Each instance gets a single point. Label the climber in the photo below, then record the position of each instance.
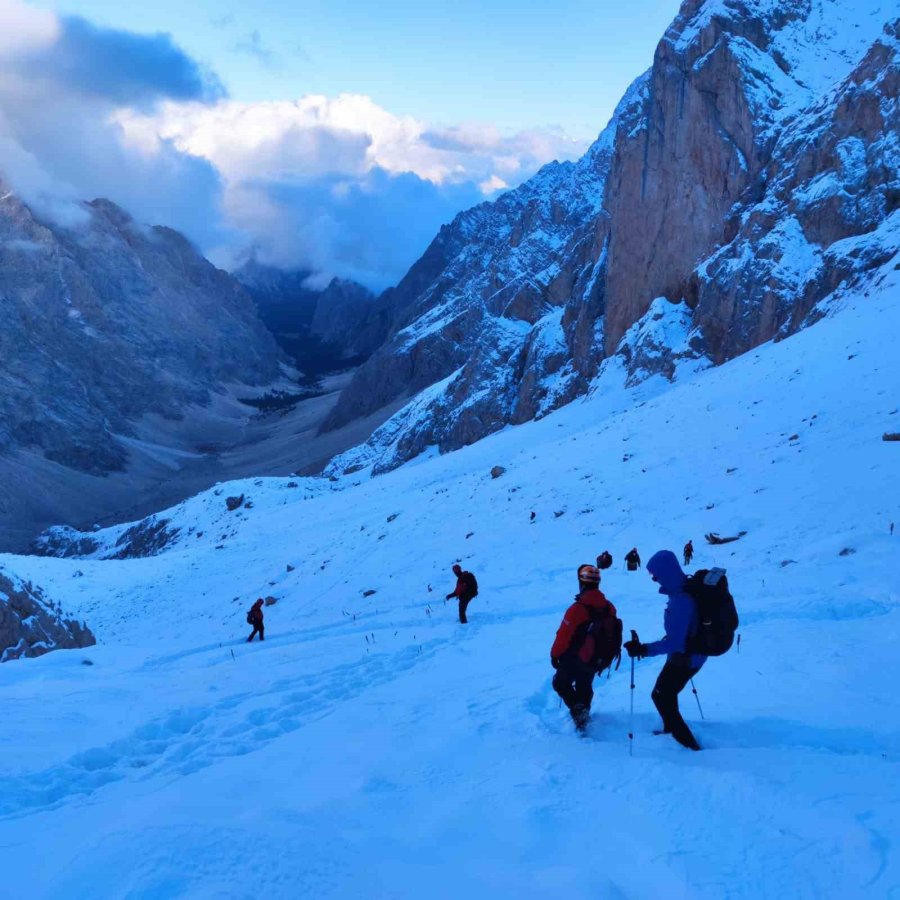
(688, 552)
(255, 618)
(589, 639)
(633, 560)
(604, 560)
(466, 590)
(680, 621)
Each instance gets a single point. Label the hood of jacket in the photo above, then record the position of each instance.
(664, 567)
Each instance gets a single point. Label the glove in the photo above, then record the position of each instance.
(636, 650)
(449, 596)
(554, 661)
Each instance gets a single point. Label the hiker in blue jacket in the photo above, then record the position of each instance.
(680, 622)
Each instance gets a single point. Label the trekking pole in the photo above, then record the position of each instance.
(697, 698)
(631, 715)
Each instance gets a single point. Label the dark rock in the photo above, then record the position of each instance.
(497, 471)
(233, 503)
(31, 624)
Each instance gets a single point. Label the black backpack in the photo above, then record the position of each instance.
(471, 585)
(598, 643)
(717, 618)
(250, 619)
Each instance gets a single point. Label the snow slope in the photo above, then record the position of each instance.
(372, 747)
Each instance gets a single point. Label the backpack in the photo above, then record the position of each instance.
(472, 585)
(717, 618)
(604, 560)
(250, 619)
(598, 643)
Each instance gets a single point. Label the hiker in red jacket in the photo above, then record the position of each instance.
(255, 618)
(588, 640)
(466, 589)
(688, 552)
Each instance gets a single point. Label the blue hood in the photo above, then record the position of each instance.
(663, 566)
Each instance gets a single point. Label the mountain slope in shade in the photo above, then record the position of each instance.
(763, 140)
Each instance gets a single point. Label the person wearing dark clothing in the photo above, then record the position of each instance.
(688, 552)
(632, 560)
(574, 676)
(604, 560)
(255, 618)
(680, 620)
(466, 589)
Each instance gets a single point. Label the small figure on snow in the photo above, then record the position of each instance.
(589, 639)
(466, 590)
(680, 621)
(255, 618)
(688, 552)
(604, 560)
(633, 560)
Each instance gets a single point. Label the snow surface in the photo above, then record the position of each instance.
(373, 747)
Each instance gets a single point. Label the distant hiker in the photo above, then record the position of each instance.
(632, 560)
(466, 589)
(587, 642)
(680, 622)
(255, 618)
(688, 552)
(604, 560)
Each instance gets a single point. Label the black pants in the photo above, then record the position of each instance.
(687, 558)
(259, 629)
(463, 603)
(671, 682)
(576, 687)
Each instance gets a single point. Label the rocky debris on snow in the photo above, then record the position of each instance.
(31, 624)
(289, 567)
(713, 538)
(497, 471)
(369, 593)
(233, 503)
(847, 551)
(891, 436)
(392, 516)
(271, 601)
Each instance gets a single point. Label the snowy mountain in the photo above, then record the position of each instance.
(372, 746)
(751, 173)
(115, 338)
(319, 328)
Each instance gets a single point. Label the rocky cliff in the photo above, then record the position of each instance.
(31, 624)
(750, 173)
(106, 320)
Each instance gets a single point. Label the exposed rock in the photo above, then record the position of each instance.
(891, 436)
(148, 538)
(751, 174)
(497, 471)
(271, 601)
(31, 624)
(64, 542)
(233, 503)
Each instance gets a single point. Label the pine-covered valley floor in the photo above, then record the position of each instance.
(373, 747)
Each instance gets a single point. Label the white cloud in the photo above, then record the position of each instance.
(338, 185)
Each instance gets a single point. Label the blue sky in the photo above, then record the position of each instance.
(332, 136)
(513, 64)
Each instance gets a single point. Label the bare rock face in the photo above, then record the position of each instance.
(749, 175)
(828, 212)
(31, 624)
(106, 320)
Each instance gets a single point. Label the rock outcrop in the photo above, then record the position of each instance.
(31, 624)
(749, 175)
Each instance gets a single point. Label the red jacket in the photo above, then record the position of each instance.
(576, 616)
(256, 611)
(463, 588)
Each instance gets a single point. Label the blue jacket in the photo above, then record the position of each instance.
(681, 611)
